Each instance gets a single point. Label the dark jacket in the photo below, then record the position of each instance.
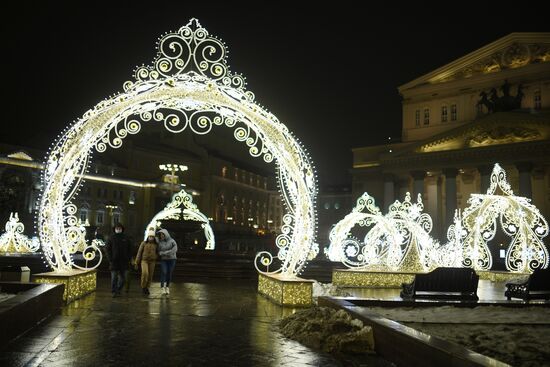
(119, 251)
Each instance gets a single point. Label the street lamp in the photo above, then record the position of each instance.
(172, 168)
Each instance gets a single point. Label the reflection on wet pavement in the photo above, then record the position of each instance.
(222, 323)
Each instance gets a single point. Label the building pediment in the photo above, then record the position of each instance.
(20, 155)
(510, 52)
(495, 129)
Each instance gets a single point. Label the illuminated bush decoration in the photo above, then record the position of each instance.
(397, 241)
(188, 87)
(518, 218)
(13, 240)
(182, 208)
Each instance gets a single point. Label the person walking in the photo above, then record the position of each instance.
(118, 250)
(167, 252)
(146, 258)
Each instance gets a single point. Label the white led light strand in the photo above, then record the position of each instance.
(518, 218)
(13, 240)
(188, 87)
(397, 241)
(182, 208)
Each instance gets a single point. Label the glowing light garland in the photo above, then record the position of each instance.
(182, 207)
(189, 86)
(13, 240)
(397, 241)
(518, 218)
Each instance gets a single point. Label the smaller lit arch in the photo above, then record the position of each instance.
(182, 208)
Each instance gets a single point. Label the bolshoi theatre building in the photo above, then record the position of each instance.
(490, 106)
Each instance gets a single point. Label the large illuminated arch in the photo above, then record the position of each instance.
(518, 218)
(182, 208)
(188, 86)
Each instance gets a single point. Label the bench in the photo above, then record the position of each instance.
(537, 286)
(457, 283)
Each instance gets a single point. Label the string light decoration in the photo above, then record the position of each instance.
(379, 248)
(13, 240)
(188, 87)
(518, 218)
(182, 208)
(450, 254)
(398, 241)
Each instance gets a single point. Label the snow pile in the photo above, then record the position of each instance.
(514, 335)
(329, 289)
(326, 329)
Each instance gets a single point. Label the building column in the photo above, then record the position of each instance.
(418, 183)
(525, 169)
(389, 190)
(485, 174)
(450, 194)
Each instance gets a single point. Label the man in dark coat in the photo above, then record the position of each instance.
(119, 252)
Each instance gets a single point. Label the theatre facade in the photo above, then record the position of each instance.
(490, 106)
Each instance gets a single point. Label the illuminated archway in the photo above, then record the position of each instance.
(182, 208)
(518, 218)
(189, 86)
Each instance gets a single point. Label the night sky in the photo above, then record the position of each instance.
(330, 74)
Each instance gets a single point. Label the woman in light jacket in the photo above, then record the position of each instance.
(146, 257)
(167, 249)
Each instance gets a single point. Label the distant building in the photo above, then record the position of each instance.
(490, 106)
(125, 185)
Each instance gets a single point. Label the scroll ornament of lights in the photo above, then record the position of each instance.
(188, 87)
(380, 246)
(182, 208)
(450, 254)
(518, 218)
(397, 241)
(13, 240)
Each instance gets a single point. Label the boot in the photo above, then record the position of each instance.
(167, 290)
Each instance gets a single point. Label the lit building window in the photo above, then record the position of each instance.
(99, 218)
(417, 118)
(453, 112)
(426, 116)
(443, 113)
(132, 198)
(336, 206)
(83, 215)
(537, 100)
(327, 206)
(224, 172)
(116, 218)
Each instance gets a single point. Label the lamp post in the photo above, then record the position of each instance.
(172, 178)
(111, 208)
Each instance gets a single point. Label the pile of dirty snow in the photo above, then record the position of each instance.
(328, 289)
(326, 329)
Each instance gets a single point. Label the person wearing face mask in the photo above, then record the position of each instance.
(118, 251)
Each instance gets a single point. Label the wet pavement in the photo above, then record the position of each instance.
(217, 323)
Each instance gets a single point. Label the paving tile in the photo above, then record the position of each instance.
(216, 323)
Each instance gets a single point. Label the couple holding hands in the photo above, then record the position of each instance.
(153, 248)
